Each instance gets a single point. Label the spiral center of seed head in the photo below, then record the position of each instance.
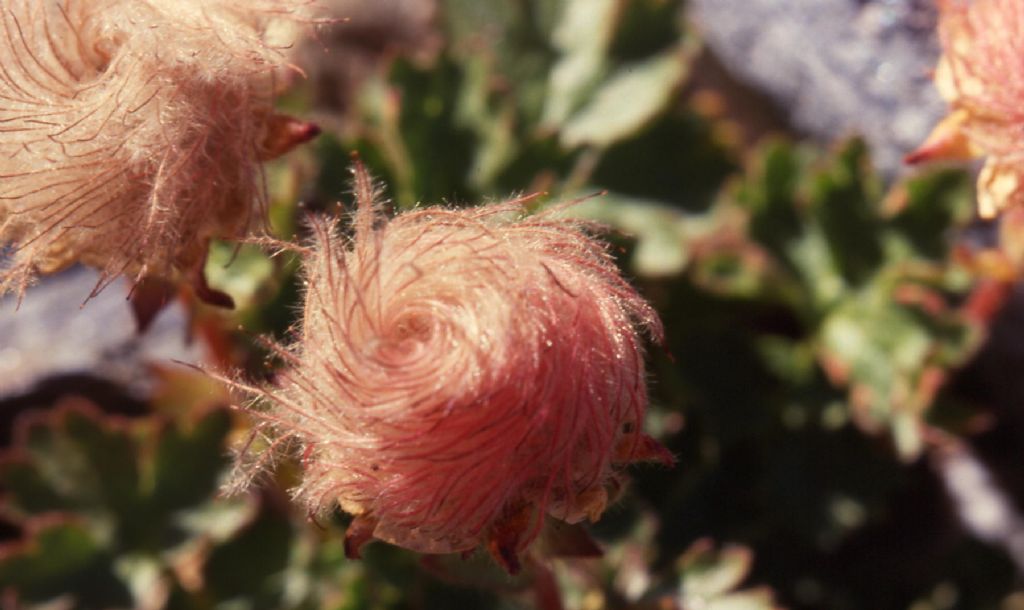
(405, 340)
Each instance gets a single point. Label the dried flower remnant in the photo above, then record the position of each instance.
(459, 374)
(981, 75)
(133, 130)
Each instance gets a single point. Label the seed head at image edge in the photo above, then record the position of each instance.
(134, 131)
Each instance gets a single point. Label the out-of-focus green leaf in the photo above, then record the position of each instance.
(262, 547)
(72, 464)
(629, 100)
(646, 27)
(869, 288)
(663, 234)
(515, 40)
(748, 600)
(142, 493)
(409, 131)
(845, 200)
(59, 556)
(242, 271)
(892, 354)
(187, 464)
(494, 122)
(709, 578)
(708, 573)
(582, 38)
(769, 192)
(130, 475)
(928, 208)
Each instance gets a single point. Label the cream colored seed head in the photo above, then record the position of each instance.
(133, 130)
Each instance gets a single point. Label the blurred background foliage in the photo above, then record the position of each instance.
(826, 369)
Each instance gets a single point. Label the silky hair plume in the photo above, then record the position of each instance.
(458, 375)
(133, 131)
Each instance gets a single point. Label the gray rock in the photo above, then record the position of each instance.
(838, 67)
(55, 333)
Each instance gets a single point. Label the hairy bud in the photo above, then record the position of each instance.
(133, 130)
(460, 374)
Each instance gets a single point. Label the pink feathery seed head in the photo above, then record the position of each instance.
(134, 130)
(460, 374)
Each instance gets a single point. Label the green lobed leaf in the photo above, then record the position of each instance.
(60, 557)
(140, 495)
(710, 577)
(582, 38)
(630, 99)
